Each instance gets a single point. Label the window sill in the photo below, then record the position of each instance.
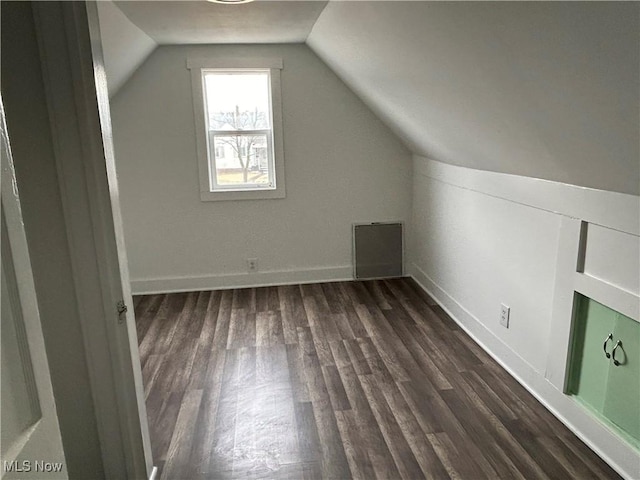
(208, 196)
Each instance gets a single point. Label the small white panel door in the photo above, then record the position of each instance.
(30, 441)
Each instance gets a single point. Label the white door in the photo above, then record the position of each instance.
(30, 441)
(78, 110)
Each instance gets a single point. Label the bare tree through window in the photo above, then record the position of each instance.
(246, 146)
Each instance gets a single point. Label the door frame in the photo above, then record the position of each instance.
(78, 105)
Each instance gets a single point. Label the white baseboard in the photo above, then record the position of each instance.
(240, 280)
(617, 453)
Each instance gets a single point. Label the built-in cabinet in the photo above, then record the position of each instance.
(605, 366)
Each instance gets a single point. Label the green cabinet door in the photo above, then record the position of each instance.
(589, 365)
(622, 399)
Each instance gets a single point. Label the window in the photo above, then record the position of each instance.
(238, 128)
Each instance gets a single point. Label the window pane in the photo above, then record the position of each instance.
(238, 101)
(242, 160)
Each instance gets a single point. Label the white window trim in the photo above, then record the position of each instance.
(274, 65)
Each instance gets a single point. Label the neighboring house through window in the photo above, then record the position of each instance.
(238, 128)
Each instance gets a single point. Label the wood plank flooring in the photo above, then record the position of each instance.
(337, 380)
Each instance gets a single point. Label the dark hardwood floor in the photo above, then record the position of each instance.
(337, 380)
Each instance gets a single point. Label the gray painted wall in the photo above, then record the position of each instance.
(540, 89)
(342, 166)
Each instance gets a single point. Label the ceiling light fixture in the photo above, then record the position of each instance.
(230, 2)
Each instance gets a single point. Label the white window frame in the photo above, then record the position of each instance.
(208, 190)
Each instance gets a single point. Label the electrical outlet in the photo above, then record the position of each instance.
(504, 315)
(252, 264)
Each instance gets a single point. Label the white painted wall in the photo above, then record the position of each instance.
(342, 166)
(486, 251)
(124, 45)
(540, 89)
(482, 238)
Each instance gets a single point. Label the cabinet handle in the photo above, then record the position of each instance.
(604, 347)
(613, 353)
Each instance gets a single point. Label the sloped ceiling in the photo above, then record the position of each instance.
(124, 46)
(185, 22)
(131, 30)
(542, 89)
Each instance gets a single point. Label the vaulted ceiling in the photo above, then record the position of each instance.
(132, 29)
(542, 89)
(182, 22)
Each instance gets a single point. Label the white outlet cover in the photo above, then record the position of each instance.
(504, 315)
(252, 264)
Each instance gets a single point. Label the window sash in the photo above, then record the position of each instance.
(213, 169)
(240, 133)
